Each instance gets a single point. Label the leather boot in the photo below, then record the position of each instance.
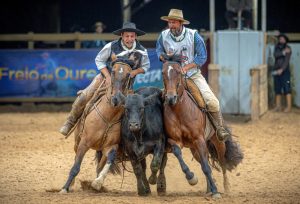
(288, 103)
(79, 104)
(222, 133)
(278, 103)
(74, 115)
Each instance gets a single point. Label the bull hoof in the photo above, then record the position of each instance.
(97, 185)
(145, 192)
(153, 179)
(193, 181)
(216, 196)
(63, 191)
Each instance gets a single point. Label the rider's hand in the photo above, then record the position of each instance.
(163, 57)
(133, 73)
(184, 70)
(108, 81)
(279, 71)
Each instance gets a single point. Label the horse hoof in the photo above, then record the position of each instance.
(63, 191)
(152, 180)
(193, 181)
(97, 185)
(216, 196)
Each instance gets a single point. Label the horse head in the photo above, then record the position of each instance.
(121, 82)
(172, 79)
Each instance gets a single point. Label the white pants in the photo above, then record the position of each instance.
(209, 97)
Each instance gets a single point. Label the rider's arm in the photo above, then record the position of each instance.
(101, 60)
(103, 56)
(200, 53)
(160, 51)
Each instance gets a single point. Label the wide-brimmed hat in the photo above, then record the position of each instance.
(175, 14)
(129, 27)
(284, 36)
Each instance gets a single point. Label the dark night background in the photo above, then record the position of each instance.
(46, 16)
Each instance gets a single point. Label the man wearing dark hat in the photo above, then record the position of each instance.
(126, 44)
(281, 73)
(189, 44)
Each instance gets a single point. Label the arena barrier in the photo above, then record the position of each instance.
(56, 75)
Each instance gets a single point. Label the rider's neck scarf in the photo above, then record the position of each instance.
(179, 37)
(126, 48)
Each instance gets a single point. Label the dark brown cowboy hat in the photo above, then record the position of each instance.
(129, 27)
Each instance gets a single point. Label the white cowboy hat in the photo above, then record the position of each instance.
(175, 14)
(129, 27)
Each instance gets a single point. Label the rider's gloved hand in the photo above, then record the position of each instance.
(164, 57)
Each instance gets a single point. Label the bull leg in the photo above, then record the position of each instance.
(192, 179)
(143, 187)
(98, 182)
(161, 180)
(82, 149)
(156, 162)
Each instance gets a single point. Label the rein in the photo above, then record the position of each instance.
(108, 124)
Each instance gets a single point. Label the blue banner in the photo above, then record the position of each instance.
(58, 73)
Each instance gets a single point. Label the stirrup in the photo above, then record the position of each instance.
(222, 134)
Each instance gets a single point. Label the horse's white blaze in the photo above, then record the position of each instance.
(170, 68)
(121, 70)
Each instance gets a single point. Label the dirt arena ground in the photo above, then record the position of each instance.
(35, 161)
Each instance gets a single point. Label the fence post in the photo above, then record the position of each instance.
(213, 78)
(30, 41)
(77, 40)
(254, 73)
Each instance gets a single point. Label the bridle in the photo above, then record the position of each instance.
(129, 80)
(179, 83)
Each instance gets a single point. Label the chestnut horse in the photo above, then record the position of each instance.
(185, 127)
(102, 127)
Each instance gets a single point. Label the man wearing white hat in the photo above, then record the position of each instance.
(126, 44)
(189, 44)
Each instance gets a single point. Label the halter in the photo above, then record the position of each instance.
(128, 84)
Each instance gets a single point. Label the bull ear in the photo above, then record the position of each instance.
(150, 100)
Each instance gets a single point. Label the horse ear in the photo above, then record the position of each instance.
(122, 97)
(150, 100)
(113, 57)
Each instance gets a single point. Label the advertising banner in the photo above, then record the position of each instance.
(58, 73)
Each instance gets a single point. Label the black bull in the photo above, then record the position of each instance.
(143, 134)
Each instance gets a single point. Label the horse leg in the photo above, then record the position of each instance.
(201, 155)
(156, 162)
(161, 180)
(98, 182)
(143, 187)
(82, 149)
(221, 149)
(192, 179)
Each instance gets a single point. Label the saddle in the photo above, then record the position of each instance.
(194, 93)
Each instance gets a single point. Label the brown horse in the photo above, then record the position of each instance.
(102, 127)
(185, 126)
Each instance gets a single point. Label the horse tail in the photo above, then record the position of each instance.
(233, 154)
(114, 168)
(232, 157)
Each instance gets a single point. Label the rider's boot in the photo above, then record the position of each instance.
(222, 133)
(74, 115)
(78, 106)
